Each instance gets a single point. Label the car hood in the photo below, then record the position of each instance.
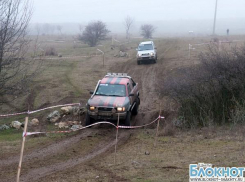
(108, 101)
(145, 52)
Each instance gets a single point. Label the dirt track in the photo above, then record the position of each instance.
(103, 146)
(39, 164)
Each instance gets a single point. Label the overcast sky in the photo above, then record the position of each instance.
(75, 11)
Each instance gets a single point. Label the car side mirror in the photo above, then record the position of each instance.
(131, 95)
(91, 92)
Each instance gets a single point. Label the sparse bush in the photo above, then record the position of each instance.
(213, 91)
(51, 51)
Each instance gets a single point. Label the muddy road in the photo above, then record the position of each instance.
(52, 160)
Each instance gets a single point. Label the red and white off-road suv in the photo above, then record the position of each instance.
(116, 94)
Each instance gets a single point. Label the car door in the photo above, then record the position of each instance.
(129, 92)
(134, 91)
(155, 49)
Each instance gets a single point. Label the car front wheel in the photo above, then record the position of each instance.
(136, 107)
(88, 120)
(128, 118)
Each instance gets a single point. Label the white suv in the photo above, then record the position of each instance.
(146, 52)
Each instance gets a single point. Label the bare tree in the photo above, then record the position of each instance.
(147, 30)
(93, 33)
(15, 16)
(128, 22)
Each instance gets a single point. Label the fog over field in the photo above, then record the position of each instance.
(175, 17)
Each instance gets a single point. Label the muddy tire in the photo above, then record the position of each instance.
(136, 107)
(128, 119)
(88, 120)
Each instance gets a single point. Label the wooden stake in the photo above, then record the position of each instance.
(155, 144)
(103, 56)
(22, 149)
(116, 141)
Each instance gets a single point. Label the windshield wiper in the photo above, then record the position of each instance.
(102, 94)
(110, 95)
(117, 95)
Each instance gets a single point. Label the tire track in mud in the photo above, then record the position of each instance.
(36, 174)
(49, 150)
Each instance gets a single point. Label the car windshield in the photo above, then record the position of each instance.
(143, 47)
(111, 90)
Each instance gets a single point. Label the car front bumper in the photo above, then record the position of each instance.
(146, 58)
(103, 115)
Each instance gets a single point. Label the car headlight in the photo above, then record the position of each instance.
(91, 108)
(138, 55)
(152, 53)
(120, 109)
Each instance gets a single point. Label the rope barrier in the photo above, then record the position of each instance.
(102, 122)
(35, 111)
(73, 104)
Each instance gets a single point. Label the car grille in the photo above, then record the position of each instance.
(104, 109)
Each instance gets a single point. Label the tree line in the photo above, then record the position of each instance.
(97, 30)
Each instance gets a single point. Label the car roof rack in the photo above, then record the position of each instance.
(147, 42)
(122, 75)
